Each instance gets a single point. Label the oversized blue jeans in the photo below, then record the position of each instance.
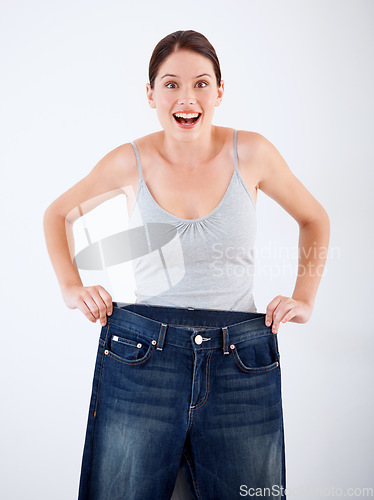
(196, 388)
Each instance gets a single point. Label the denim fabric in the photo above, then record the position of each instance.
(196, 388)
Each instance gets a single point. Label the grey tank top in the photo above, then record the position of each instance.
(206, 262)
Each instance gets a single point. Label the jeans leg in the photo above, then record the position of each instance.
(236, 439)
(136, 434)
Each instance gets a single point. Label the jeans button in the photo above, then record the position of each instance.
(198, 339)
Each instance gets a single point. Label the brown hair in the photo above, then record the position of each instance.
(182, 40)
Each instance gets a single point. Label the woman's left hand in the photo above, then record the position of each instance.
(282, 309)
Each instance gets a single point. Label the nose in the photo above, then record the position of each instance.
(190, 99)
(182, 102)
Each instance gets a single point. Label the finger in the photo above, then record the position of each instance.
(91, 305)
(284, 312)
(279, 312)
(83, 307)
(103, 300)
(101, 306)
(291, 314)
(107, 300)
(270, 310)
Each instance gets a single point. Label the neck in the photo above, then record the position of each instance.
(190, 153)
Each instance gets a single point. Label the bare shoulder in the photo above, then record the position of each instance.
(249, 146)
(249, 142)
(114, 174)
(276, 179)
(119, 165)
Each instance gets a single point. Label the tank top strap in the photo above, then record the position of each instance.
(137, 160)
(235, 150)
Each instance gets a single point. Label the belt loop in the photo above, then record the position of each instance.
(161, 337)
(225, 340)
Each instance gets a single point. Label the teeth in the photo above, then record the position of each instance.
(184, 115)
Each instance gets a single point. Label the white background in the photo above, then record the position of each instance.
(72, 89)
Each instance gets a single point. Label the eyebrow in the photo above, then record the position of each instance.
(176, 76)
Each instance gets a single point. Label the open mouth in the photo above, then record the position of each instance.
(187, 121)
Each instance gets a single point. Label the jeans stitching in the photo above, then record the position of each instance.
(276, 344)
(128, 330)
(100, 371)
(252, 370)
(207, 378)
(133, 363)
(254, 338)
(193, 475)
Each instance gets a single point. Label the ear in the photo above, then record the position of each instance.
(220, 92)
(150, 96)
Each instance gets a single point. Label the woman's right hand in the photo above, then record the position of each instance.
(94, 301)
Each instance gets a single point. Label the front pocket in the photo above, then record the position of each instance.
(257, 355)
(127, 346)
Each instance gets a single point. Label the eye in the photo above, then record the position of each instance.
(173, 83)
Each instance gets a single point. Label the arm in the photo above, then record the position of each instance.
(313, 246)
(110, 177)
(277, 181)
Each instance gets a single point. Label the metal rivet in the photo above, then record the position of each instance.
(232, 346)
(154, 342)
(198, 339)
(139, 345)
(106, 352)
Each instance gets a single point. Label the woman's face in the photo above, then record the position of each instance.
(185, 82)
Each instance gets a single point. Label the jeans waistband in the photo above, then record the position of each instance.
(179, 326)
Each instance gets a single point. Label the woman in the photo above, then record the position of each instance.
(189, 375)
